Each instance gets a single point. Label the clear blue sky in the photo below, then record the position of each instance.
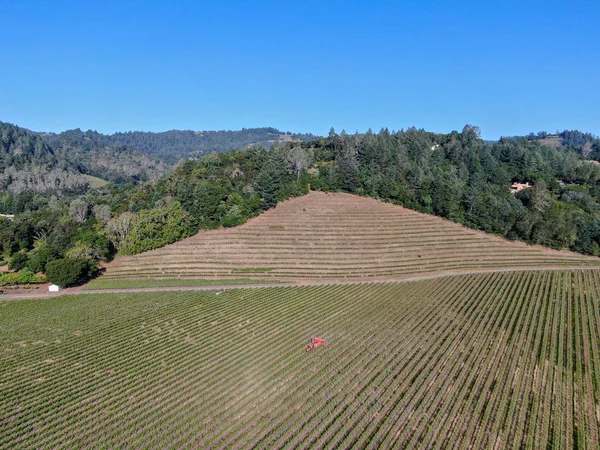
(510, 67)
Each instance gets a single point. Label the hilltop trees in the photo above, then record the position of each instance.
(448, 190)
(300, 159)
(346, 164)
(462, 178)
(272, 176)
(457, 176)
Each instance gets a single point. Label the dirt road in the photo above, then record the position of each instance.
(403, 279)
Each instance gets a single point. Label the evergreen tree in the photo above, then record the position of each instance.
(347, 167)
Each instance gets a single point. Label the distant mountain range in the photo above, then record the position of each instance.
(28, 163)
(171, 146)
(63, 162)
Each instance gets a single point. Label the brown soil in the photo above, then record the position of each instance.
(338, 237)
(38, 290)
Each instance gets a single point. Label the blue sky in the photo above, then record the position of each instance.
(510, 67)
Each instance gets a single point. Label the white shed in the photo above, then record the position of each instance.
(53, 288)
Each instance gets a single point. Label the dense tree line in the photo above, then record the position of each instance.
(20, 149)
(460, 177)
(171, 146)
(585, 144)
(576, 139)
(457, 176)
(115, 163)
(30, 168)
(34, 173)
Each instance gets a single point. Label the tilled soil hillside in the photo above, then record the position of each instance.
(324, 236)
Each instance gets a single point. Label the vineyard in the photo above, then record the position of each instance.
(496, 360)
(336, 236)
(124, 283)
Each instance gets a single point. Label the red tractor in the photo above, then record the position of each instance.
(315, 342)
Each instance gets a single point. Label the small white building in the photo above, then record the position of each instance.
(53, 288)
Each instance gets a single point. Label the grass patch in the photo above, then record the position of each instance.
(167, 282)
(95, 182)
(252, 270)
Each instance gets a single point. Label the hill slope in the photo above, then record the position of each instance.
(175, 144)
(29, 163)
(337, 236)
(117, 163)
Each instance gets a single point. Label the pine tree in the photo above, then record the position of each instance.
(347, 166)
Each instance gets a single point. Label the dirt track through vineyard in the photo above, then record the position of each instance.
(225, 287)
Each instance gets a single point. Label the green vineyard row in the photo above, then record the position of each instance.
(494, 360)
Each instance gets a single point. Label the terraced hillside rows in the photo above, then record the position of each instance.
(336, 236)
(498, 360)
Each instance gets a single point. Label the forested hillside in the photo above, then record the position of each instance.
(34, 172)
(173, 145)
(584, 143)
(460, 177)
(457, 176)
(28, 164)
(117, 163)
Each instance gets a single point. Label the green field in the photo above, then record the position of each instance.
(135, 283)
(504, 360)
(95, 182)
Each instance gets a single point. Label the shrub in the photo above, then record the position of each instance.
(68, 271)
(18, 261)
(41, 255)
(22, 277)
(233, 217)
(90, 245)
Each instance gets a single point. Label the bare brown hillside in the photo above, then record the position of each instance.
(337, 236)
